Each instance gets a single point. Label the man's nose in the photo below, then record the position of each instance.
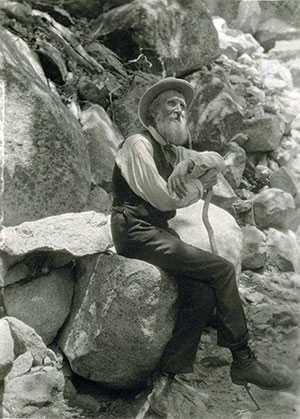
(178, 109)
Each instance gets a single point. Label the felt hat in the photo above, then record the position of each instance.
(169, 83)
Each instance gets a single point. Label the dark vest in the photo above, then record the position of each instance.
(124, 196)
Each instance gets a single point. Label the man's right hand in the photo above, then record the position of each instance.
(209, 179)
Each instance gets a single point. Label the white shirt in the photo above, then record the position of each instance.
(136, 162)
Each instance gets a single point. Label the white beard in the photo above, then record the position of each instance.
(172, 130)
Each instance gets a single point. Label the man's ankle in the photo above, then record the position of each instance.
(241, 354)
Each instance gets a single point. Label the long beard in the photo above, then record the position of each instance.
(172, 130)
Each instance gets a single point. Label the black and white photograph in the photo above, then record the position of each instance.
(149, 209)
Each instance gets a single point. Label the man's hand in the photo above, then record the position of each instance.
(209, 179)
(177, 179)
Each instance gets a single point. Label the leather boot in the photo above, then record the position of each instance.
(159, 400)
(245, 369)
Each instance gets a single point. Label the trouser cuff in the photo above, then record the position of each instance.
(233, 346)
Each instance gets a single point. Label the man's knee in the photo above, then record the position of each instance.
(196, 294)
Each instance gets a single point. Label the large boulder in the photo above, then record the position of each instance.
(189, 225)
(286, 50)
(110, 4)
(283, 250)
(127, 306)
(77, 234)
(121, 319)
(78, 8)
(43, 303)
(248, 17)
(284, 179)
(264, 133)
(161, 29)
(234, 42)
(125, 108)
(26, 394)
(103, 139)
(274, 208)
(214, 121)
(46, 168)
(35, 378)
(272, 30)
(99, 201)
(254, 254)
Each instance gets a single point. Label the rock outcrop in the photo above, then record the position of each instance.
(254, 254)
(103, 138)
(46, 165)
(188, 223)
(34, 378)
(43, 303)
(274, 208)
(283, 250)
(161, 29)
(77, 234)
(121, 319)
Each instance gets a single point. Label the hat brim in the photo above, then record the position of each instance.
(169, 83)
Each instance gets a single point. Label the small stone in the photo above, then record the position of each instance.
(282, 250)
(87, 402)
(264, 133)
(274, 208)
(21, 366)
(26, 339)
(254, 254)
(223, 195)
(284, 179)
(235, 165)
(26, 393)
(7, 355)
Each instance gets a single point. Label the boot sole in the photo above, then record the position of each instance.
(244, 383)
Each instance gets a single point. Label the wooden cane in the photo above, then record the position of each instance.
(214, 249)
(207, 224)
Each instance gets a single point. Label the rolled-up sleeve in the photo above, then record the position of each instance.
(136, 162)
(203, 161)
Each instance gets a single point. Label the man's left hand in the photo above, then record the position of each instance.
(177, 179)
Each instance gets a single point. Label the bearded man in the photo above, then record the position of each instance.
(154, 175)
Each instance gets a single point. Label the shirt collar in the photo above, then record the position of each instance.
(157, 136)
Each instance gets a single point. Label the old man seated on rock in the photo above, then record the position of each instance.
(154, 175)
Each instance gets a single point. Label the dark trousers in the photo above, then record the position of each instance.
(204, 280)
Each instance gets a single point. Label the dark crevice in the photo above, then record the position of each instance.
(51, 70)
(122, 44)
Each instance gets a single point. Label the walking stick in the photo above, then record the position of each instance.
(207, 224)
(214, 249)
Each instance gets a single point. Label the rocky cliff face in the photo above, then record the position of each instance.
(71, 75)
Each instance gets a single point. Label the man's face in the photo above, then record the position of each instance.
(170, 117)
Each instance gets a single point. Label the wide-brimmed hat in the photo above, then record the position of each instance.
(169, 83)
